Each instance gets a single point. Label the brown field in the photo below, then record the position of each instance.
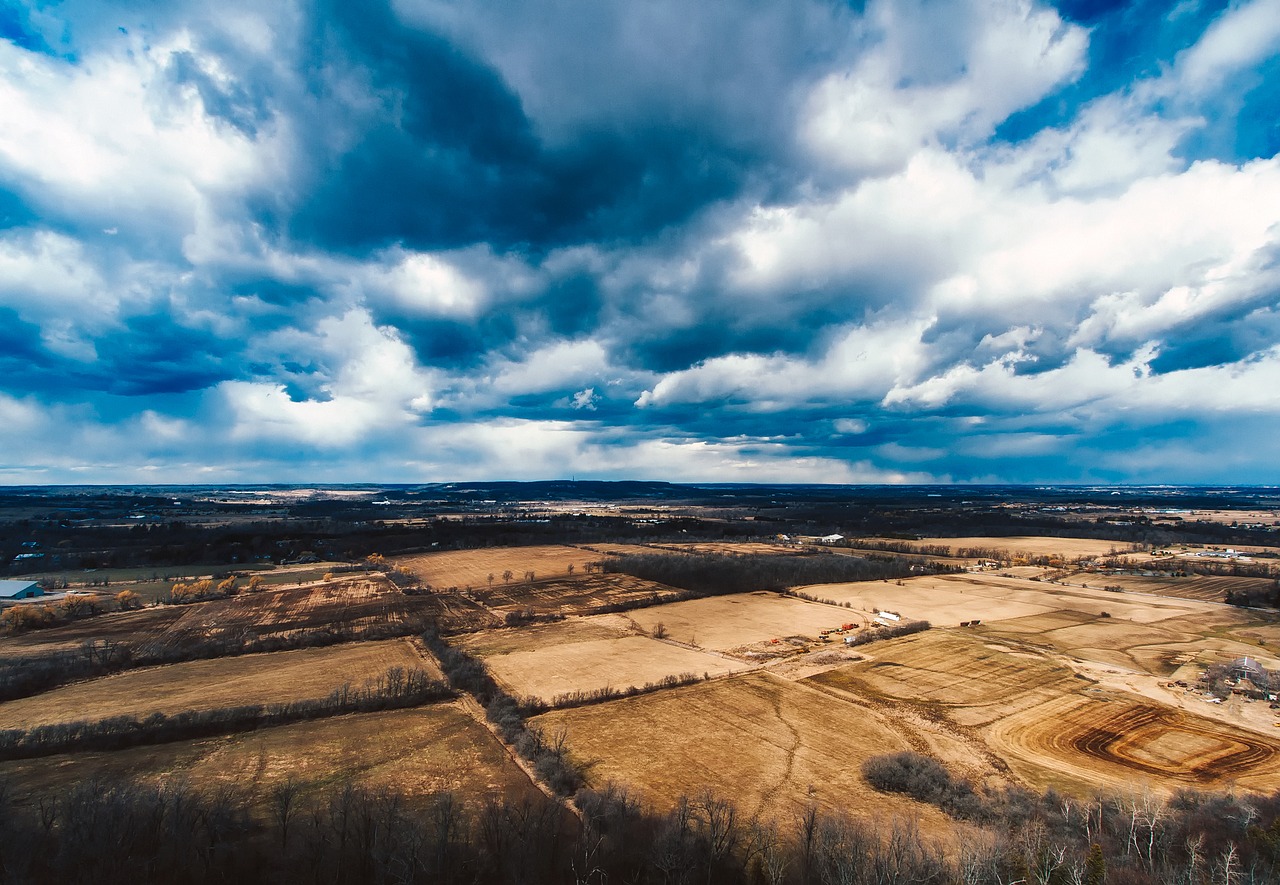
(773, 745)
(1122, 741)
(729, 623)
(274, 678)
(585, 655)
(352, 603)
(1055, 728)
(1066, 548)
(988, 596)
(568, 596)
(473, 568)
(415, 752)
(1203, 587)
(952, 668)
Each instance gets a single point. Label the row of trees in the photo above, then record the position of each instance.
(549, 758)
(107, 832)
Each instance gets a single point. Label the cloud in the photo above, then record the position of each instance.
(819, 242)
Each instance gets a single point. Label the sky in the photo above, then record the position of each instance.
(805, 241)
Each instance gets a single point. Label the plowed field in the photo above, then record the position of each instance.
(1121, 740)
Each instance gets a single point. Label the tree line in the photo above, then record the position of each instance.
(117, 831)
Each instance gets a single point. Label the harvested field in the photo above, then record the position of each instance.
(415, 752)
(573, 595)
(773, 745)
(275, 678)
(950, 599)
(1202, 587)
(1080, 742)
(557, 665)
(728, 623)
(482, 568)
(1065, 548)
(951, 668)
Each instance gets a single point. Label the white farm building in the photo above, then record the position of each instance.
(19, 590)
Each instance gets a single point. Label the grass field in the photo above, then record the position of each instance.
(729, 623)
(274, 678)
(474, 568)
(579, 655)
(415, 752)
(776, 746)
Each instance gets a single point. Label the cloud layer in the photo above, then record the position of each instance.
(432, 240)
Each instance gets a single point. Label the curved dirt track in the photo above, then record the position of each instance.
(1113, 740)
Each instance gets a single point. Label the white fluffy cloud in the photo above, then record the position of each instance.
(938, 72)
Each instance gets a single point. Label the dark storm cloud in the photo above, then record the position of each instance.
(453, 152)
(447, 157)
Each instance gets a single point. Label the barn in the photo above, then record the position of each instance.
(19, 590)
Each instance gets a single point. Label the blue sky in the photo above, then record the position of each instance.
(806, 241)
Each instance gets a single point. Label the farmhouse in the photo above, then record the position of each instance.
(20, 590)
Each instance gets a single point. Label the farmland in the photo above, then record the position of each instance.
(415, 752)
(791, 745)
(357, 605)
(585, 656)
(741, 621)
(487, 567)
(578, 595)
(1029, 546)
(278, 678)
